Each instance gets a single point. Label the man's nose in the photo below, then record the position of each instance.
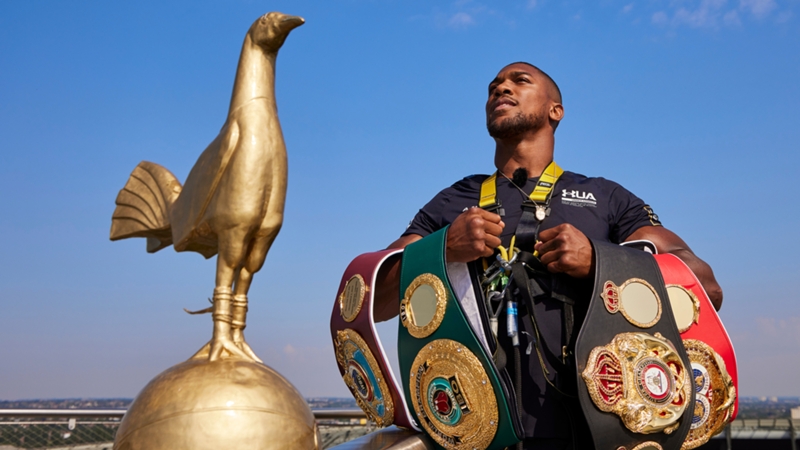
(501, 88)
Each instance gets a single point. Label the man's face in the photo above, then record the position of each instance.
(519, 101)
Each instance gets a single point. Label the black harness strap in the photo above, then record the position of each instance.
(527, 231)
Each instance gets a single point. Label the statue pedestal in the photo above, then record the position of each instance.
(225, 404)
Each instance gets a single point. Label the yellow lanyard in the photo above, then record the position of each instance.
(543, 189)
(540, 193)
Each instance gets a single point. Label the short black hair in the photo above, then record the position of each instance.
(552, 81)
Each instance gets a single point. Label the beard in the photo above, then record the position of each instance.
(513, 126)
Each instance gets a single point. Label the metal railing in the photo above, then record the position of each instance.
(94, 429)
(82, 429)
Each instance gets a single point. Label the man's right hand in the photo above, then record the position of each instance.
(474, 234)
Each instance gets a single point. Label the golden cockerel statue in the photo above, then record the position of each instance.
(232, 202)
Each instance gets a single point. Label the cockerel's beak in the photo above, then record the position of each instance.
(289, 23)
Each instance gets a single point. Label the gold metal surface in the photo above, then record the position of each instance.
(649, 445)
(376, 401)
(641, 378)
(685, 306)
(423, 307)
(636, 299)
(232, 205)
(211, 405)
(352, 297)
(715, 394)
(445, 361)
(233, 199)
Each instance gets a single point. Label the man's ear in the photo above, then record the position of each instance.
(557, 112)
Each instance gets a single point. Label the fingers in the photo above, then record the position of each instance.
(565, 249)
(550, 233)
(488, 216)
(553, 258)
(489, 244)
(559, 262)
(552, 244)
(474, 234)
(481, 225)
(552, 239)
(483, 235)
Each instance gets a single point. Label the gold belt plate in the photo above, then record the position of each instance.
(640, 378)
(453, 396)
(714, 393)
(364, 377)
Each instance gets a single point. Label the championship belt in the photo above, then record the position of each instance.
(634, 376)
(711, 355)
(359, 352)
(448, 374)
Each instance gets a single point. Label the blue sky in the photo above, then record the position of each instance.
(691, 104)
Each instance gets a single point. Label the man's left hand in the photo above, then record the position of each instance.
(565, 249)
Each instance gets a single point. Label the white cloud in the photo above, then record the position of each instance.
(460, 14)
(706, 14)
(660, 18)
(731, 18)
(532, 4)
(767, 351)
(460, 20)
(759, 8)
(785, 329)
(627, 8)
(712, 13)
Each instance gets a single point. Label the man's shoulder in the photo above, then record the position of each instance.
(581, 178)
(470, 183)
(572, 178)
(471, 180)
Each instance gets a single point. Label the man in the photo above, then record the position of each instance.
(523, 110)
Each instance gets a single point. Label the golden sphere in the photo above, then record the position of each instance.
(226, 404)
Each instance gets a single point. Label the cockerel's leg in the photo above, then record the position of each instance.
(239, 323)
(253, 263)
(221, 340)
(231, 255)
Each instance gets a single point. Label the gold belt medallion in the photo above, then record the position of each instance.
(423, 306)
(453, 396)
(636, 299)
(715, 393)
(641, 378)
(352, 297)
(364, 377)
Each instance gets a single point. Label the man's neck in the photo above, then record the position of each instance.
(533, 153)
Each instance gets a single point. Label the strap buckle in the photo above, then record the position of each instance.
(496, 208)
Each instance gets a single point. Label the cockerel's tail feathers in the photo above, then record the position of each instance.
(143, 206)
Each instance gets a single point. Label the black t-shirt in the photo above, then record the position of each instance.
(604, 211)
(601, 209)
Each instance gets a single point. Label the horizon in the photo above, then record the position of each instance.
(766, 398)
(691, 105)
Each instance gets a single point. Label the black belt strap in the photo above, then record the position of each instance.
(522, 282)
(527, 231)
(534, 264)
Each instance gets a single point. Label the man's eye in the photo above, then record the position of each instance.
(524, 80)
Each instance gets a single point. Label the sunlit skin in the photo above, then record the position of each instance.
(517, 93)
